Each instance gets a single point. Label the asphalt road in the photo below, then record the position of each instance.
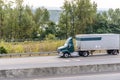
(55, 61)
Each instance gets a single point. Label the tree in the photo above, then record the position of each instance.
(51, 29)
(107, 22)
(10, 24)
(27, 25)
(100, 25)
(85, 14)
(76, 16)
(41, 18)
(18, 22)
(1, 18)
(21, 22)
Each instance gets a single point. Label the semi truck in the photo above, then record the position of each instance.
(86, 44)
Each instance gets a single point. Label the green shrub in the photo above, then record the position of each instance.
(50, 37)
(3, 50)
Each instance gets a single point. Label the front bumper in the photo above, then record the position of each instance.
(60, 54)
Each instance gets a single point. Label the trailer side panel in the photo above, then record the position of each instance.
(98, 41)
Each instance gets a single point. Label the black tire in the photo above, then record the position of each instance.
(85, 54)
(66, 55)
(109, 52)
(115, 52)
(80, 53)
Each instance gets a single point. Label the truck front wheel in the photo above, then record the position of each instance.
(66, 55)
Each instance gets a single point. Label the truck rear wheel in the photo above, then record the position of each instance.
(109, 51)
(85, 53)
(80, 53)
(115, 52)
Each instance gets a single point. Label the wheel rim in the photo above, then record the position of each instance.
(115, 52)
(66, 55)
(85, 54)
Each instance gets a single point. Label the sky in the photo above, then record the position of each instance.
(58, 3)
(101, 4)
(108, 3)
(45, 3)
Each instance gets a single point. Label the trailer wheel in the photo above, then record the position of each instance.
(66, 55)
(109, 52)
(85, 53)
(115, 52)
(80, 53)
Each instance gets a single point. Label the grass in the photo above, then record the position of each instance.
(31, 46)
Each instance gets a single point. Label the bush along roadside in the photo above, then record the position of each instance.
(3, 50)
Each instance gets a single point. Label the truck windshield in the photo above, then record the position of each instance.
(67, 42)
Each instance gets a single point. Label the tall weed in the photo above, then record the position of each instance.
(32, 46)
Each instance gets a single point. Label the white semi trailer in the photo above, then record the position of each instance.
(88, 43)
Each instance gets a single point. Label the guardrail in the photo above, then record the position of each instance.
(28, 54)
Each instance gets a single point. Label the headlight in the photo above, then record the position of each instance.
(58, 51)
(60, 54)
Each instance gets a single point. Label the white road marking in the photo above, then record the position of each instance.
(71, 60)
(77, 60)
(67, 60)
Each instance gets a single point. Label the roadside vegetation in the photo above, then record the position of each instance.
(31, 46)
(24, 29)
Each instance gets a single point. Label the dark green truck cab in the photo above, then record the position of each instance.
(67, 49)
